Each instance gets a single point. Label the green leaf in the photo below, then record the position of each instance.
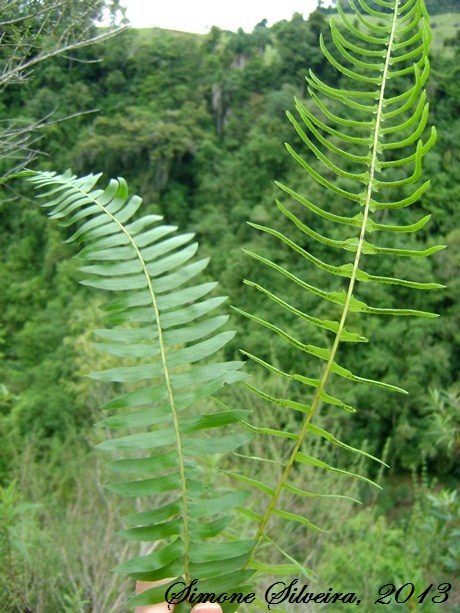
(209, 446)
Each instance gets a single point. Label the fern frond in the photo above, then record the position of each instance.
(162, 324)
(356, 133)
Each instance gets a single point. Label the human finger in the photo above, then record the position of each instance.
(206, 607)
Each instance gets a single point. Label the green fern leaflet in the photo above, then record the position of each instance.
(365, 147)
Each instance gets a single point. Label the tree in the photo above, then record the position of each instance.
(32, 31)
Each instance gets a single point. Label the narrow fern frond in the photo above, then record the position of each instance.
(161, 324)
(373, 118)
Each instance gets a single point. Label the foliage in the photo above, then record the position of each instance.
(31, 33)
(445, 507)
(416, 544)
(442, 434)
(64, 533)
(204, 152)
(355, 153)
(15, 522)
(393, 552)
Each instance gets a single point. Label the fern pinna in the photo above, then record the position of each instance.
(161, 321)
(364, 154)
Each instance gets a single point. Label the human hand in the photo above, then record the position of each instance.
(204, 607)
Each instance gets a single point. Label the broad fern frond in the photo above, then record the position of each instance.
(162, 323)
(365, 142)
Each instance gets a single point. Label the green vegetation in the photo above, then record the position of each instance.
(196, 125)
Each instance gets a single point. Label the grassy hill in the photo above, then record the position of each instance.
(444, 27)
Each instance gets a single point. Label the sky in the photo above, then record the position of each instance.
(200, 15)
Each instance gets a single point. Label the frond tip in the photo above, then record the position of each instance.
(160, 320)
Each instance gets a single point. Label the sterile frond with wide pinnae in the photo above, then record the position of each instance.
(162, 322)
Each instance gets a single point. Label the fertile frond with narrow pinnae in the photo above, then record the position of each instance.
(365, 137)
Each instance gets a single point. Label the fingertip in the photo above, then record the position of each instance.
(206, 607)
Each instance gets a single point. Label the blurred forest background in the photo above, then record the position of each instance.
(196, 125)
